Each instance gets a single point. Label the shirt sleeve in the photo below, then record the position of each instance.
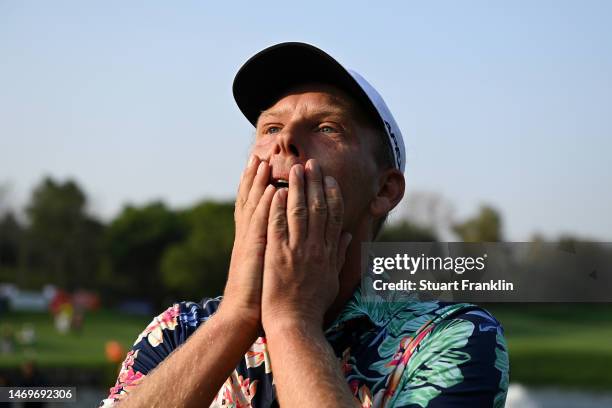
(164, 334)
(462, 363)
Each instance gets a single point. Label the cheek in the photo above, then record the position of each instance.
(262, 146)
(358, 190)
(336, 161)
(357, 194)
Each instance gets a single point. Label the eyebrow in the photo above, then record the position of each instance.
(326, 110)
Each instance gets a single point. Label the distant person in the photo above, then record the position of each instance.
(78, 318)
(293, 329)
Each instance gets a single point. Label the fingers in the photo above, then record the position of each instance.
(317, 207)
(335, 212)
(277, 221)
(260, 182)
(259, 222)
(297, 213)
(246, 180)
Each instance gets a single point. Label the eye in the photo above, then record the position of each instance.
(327, 129)
(272, 129)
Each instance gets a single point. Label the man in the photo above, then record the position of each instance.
(293, 329)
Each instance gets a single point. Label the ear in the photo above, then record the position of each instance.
(390, 192)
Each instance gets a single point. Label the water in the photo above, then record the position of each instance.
(520, 396)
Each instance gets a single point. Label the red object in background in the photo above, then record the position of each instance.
(81, 299)
(60, 298)
(114, 351)
(85, 300)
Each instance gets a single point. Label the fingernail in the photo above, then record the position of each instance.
(260, 168)
(282, 194)
(251, 160)
(330, 181)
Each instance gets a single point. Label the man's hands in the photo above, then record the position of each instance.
(305, 249)
(289, 247)
(242, 297)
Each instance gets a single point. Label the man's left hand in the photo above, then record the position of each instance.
(305, 249)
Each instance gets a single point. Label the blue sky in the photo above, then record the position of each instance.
(500, 103)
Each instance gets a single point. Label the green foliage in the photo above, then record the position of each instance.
(135, 242)
(63, 242)
(10, 239)
(197, 266)
(484, 227)
(55, 206)
(406, 231)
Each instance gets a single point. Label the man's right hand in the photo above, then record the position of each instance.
(242, 296)
(211, 353)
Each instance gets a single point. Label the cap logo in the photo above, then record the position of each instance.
(398, 154)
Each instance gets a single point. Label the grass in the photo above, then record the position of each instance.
(566, 345)
(85, 349)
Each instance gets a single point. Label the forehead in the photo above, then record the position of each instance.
(314, 98)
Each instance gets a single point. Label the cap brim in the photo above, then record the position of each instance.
(270, 73)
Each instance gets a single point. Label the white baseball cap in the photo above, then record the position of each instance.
(267, 75)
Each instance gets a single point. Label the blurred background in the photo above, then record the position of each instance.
(121, 149)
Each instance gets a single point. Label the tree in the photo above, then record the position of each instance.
(10, 240)
(486, 226)
(198, 266)
(4, 198)
(63, 240)
(134, 245)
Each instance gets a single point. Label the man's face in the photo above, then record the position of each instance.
(320, 122)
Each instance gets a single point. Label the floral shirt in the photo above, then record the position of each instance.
(403, 354)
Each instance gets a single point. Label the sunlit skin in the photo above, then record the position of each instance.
(318, 121)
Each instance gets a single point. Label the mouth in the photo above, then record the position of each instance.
(279, 183)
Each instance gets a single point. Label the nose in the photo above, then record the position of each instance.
(289, 143)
